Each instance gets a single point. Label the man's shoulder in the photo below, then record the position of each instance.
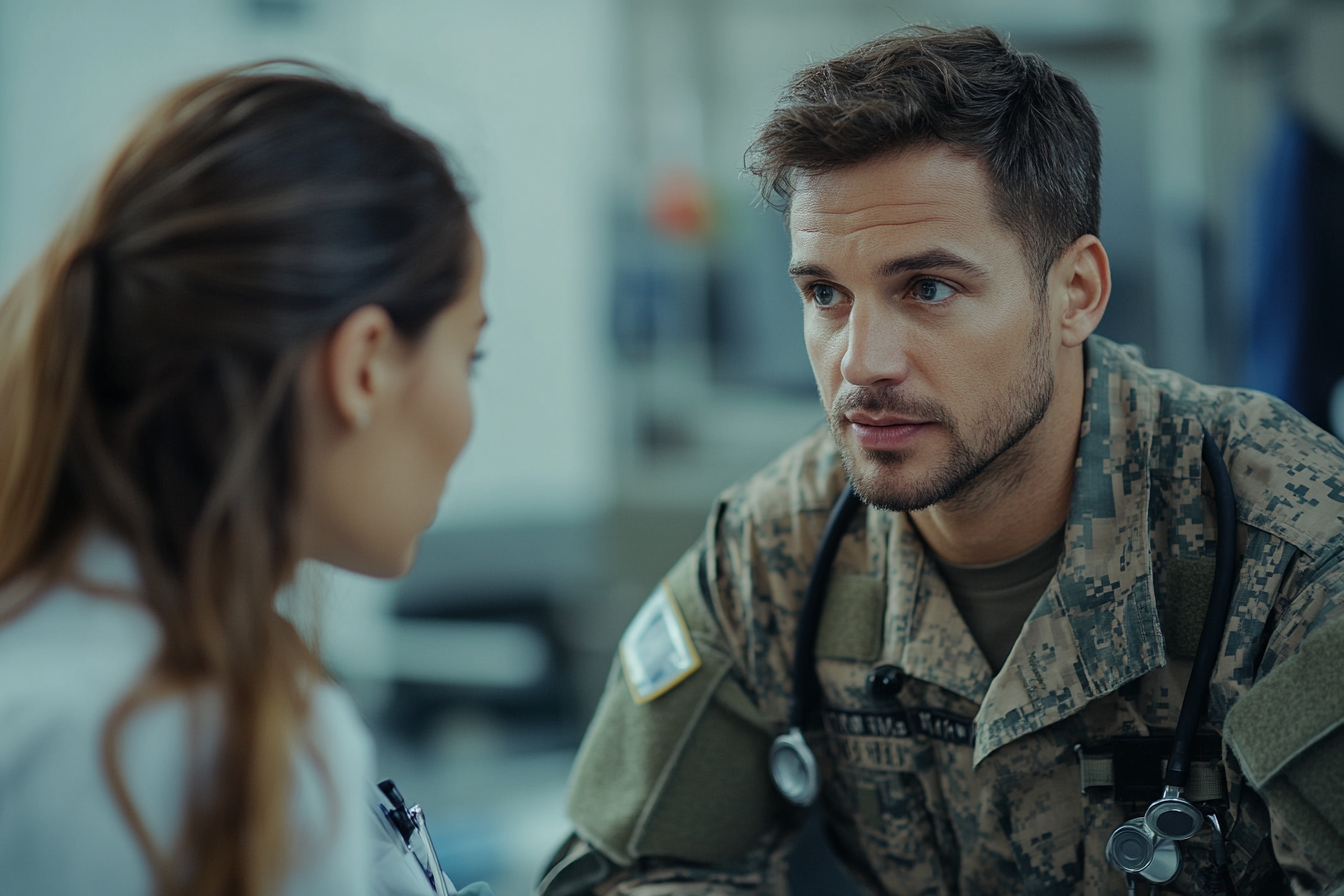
(806, 478)
(1287, 473)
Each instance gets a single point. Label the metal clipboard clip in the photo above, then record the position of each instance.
(410, 823)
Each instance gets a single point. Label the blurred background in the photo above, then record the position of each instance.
(644, 350)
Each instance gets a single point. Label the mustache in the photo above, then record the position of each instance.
(888, 399)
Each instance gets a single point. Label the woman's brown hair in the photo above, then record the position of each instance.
(148, 367)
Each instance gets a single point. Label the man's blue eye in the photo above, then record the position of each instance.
(824, 295)
(933, 291)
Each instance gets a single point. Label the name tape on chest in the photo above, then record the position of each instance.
(656, 650)
(924, 721)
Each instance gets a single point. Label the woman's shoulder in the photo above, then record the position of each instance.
(71, 654)
(66, 662)
(330, 811)
(70, 657)
(74, 649)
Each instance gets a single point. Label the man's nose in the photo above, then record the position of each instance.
(876, 352)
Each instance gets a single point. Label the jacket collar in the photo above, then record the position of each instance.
(1097, 626)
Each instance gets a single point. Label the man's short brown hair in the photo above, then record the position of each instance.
(1029, 125)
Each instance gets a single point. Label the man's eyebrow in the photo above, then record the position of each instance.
(808, 270)
(933, 259)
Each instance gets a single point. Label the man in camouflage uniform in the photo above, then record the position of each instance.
(942, 196)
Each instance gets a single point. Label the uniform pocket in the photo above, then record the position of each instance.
(889, 814)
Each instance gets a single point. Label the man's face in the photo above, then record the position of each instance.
(932, 348)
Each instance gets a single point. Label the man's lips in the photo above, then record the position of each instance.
(868, 418)
(886, 433)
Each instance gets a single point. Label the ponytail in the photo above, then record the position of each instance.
(149, 365)
(45, 325)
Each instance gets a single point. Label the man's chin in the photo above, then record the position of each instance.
(902, 480)
(896, 497)
(889, 481)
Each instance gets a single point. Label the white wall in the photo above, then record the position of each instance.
(523, 90)
(520, 90)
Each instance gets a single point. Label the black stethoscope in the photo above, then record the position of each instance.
(1141, 847)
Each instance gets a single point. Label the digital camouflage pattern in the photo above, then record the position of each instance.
(968, 782)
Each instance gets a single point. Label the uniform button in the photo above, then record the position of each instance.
(885, 682)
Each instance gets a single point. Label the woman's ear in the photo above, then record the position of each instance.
(356, 364)
(1084, 273)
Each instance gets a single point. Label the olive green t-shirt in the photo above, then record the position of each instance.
(995, 599)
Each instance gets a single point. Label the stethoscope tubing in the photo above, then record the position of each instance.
(806, 685)
(1215, 617)
(806, 699)
(1146, 846)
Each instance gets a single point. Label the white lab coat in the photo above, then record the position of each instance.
(65, 663)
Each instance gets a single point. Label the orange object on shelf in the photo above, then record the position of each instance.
(679, 204)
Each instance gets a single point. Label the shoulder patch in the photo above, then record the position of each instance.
(656, 649)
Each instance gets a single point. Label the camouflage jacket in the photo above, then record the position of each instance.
(964, 781)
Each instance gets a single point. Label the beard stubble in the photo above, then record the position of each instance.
(1001, 427)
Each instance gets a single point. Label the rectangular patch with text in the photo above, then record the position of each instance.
(656, 650)
(903, 722)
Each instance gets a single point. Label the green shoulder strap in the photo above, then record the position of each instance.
(1288, 734)
(685, 774)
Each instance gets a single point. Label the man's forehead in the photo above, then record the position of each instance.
(926, 184)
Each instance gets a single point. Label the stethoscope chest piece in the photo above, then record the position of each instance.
(1135, 849)
(792, 765)
(1173, 817)
(794, 768)
(1148, 846)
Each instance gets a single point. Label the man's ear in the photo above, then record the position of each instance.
(356, 364)
(1084, 274)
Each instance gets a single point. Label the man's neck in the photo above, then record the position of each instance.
(1022, 498)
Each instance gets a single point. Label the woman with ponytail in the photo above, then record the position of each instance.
(249, 348)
